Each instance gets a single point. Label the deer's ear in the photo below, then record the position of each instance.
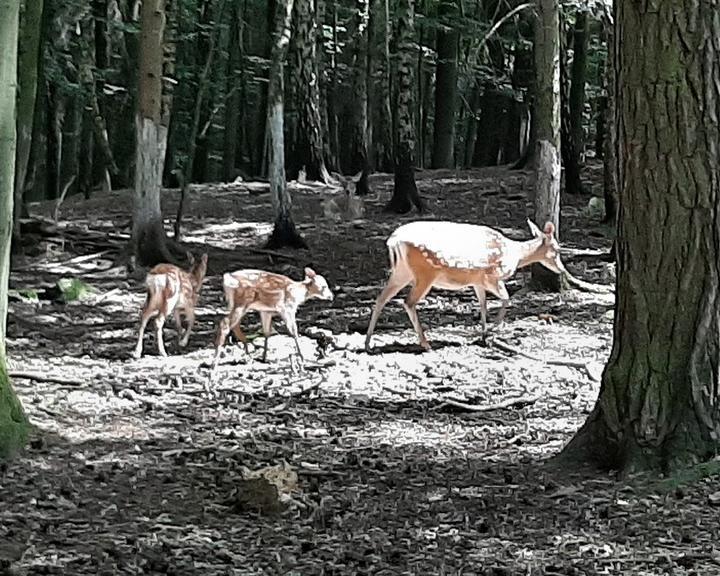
(310, 273)
(549, 228)
(357, 177)
(204, 258)
(190, 257)
(534, 229)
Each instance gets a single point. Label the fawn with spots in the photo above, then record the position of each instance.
(269, 294)
(171, 289)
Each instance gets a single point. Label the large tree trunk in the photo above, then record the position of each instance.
(659, 405)
(446, 86)
(360, 94)
(284, 233)
(610, 147)
(13, 423)
(405, 193)
(28, 59)
(310, 151)
(234, 125)
(547, 113)
(152, 119)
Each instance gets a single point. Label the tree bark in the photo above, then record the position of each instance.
(284, 232)
(405, 193)
(234, 125)
(547, 110)
(149, 240)
(360, 94)
(610, 147)
(658, 407)
(576, 102)
(383, 143)
(310, 150)
(28, 62)
(446, 86)
(13, 422)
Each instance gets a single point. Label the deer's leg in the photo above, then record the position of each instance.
(266, 321)
(178, 325)
(398, 280)
(418, 292)
(159, 323)
(482, 300)
(291, 323)
(145, 316)
(190, 316)
(228, 323)
(240, 336)
(502, 293)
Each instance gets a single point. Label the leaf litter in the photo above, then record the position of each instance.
(393, 462)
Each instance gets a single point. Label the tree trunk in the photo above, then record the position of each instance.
(151, 123)
(383, 143)
(310, 151)
(28, 61)
(202, 87)
(284, 233)
(405, 193)
(610, 148)
(13, 422)
(547, 109)
(233, 126)
(446, 86)
(262, 139)
(576, 102)
(360, 94)
(659, 408)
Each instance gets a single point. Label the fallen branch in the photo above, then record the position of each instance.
(56, 213)
(577, 364)
(588, 286)
(21, 375)
(511, 402)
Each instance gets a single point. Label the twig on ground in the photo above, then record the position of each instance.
(510, 402)
(56, 213)
(578, 365)
(18, 374)
(588, 286)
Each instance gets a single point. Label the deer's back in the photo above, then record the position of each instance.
(256, 289)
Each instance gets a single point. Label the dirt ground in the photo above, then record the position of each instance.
(406, 462)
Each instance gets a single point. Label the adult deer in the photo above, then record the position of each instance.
(453, 256)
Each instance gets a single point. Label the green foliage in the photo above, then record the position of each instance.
(73, 289)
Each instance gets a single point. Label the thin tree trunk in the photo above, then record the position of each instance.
(284, 233)
(359, 90)
(383, 143)
(547, 183)
(233, 125)
(405, 193)
(203, 82)
(659, 403)
(610, 147)
(13, 422)
(446, 86)
(576, 102)
(28, 62)
(152, 117)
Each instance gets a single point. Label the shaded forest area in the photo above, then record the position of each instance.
(147, 128)
(471, 92)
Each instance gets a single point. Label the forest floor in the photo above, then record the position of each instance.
(400, 462)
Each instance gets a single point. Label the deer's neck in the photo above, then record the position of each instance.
(527, 251)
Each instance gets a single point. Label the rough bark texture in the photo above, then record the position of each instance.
(446, 86)
(610, 147)
(405, 193)
(310, 151)
(361, 137)
(13, 423)
(383, 142)
(284, 232)
(233, 127)
(28, 53)
(151, 125)
(658, 407)
(547, 116)
(576, 101)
